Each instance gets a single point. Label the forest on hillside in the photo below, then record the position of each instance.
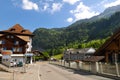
(85, 34)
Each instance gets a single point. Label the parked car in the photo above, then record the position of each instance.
(12, 64)
(20, 64)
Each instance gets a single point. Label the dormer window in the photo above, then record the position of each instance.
(12, 29)
(23, 31)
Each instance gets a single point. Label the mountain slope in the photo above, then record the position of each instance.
(86, 31)
(58, 38)
(109, 11)
(106, 14)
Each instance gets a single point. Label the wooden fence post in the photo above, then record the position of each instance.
(101, 68)
(61, 62)
(81, 64)
(77, 63)
(89, 66)
(69, 64)
(97, 67)
(64, 63)
(117, 69)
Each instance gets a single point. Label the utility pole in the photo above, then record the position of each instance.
(24, 65)
(13, 74)
(13, 71)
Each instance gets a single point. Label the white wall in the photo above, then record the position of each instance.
(18, 59)
(29, 45)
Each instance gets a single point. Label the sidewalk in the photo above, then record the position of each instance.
(32, 73)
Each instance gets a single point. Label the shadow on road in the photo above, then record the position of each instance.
(87, 73)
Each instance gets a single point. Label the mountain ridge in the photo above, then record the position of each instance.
(77, 33)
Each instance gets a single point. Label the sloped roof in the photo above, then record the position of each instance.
(94, 59)
(115, 36)
(87, 50)
(23, 41)
(81, 51)
(91, 50)
(18, 29)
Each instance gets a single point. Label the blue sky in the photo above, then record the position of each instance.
(32, 14)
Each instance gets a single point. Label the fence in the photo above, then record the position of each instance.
(94, 67)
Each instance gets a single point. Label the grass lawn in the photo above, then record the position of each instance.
(58, 56)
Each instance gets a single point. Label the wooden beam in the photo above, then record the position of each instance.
(118, 37)
(119, 44)
(116, 42)
(106, 57)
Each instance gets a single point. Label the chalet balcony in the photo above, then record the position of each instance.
(18, 52)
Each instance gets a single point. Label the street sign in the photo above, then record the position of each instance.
(6, 52)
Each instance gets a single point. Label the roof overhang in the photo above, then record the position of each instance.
(94, 59)
(29, 54)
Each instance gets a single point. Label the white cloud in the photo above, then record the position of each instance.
(46, 6)
(115, 3)
(56, 7)
(70, 20)
(103, 2)
(29, 5)
(71, 1)
(82, 11)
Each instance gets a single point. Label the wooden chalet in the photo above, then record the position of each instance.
(40, 54)
(10, 41)
(110, 49)
(18, 40)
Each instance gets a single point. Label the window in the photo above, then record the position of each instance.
(13, 49)
(12, 36)
(16, 42)
(8, 36)
(20, 49)
(0, 42)
(17, 49)
(4, 48)
(3, 41)
(15, 60)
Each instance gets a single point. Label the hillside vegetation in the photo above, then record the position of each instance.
(77, 35)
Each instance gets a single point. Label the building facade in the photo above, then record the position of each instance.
(19, 41)
(78, 54)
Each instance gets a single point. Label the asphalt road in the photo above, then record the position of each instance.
(5, 76)
(46, 71)
(52, 72)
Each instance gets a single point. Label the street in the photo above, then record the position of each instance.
(51, 72)
(46, 71)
